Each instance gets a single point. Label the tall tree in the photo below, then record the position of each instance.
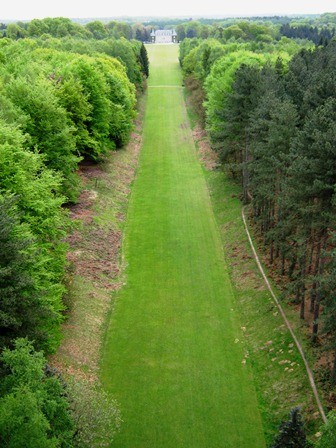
(144, 61)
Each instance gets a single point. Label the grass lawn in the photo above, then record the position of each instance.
(174, 354)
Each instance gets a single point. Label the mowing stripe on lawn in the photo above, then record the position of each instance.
(173, 355)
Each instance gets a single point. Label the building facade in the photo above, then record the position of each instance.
(163, 37)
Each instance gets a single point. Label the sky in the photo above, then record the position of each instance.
(29, 9)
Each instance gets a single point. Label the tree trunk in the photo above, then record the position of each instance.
(318, 297)
(310, 263)
(312, 297)
(272, 252)
(316, 315)
(245, 171)
(315, 272)
(277, 252)
(283, 259)
(303, 303)
(303, 286)
(291, 268)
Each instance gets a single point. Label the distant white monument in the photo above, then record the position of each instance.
(163, 37)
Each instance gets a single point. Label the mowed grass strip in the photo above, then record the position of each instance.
(173, 355)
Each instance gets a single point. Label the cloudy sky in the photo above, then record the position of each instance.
(28, 9)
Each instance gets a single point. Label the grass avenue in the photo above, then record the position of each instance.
(174, 355)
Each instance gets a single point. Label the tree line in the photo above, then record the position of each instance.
(271, 116)
(318, 29)
(313, 33)
(60, 27)
(61, 100)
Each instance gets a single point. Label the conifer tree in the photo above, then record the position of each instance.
(291, 432)
(144, 61)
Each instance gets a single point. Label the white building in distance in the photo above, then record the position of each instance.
(163, 36)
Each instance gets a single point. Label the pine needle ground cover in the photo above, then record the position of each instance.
(174, 355)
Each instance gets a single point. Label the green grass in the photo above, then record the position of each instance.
(174, 354)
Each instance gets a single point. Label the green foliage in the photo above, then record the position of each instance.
(220, 81)
(14, 31)
(98, 97)
(34, 411)
(90, 105)
(120, 30)
(328, 432)
(121, 94)
(214, 65)
(37, 28)
(23, 174)
(38, 204)
(128, 52)
(23, 307)
(201, 58)
(76, 101)
(97, 29)
(57, 27)
(185, 48)
(144, 61)
(47, 125)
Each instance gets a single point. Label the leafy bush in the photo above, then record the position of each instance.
(47, 125)
(36, 248)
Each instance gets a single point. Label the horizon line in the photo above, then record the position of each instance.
(183, 16)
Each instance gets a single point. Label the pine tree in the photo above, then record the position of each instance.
(144, 60)
(291, 433)
(233, 137)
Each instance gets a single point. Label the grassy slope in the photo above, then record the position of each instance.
(174, 356)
